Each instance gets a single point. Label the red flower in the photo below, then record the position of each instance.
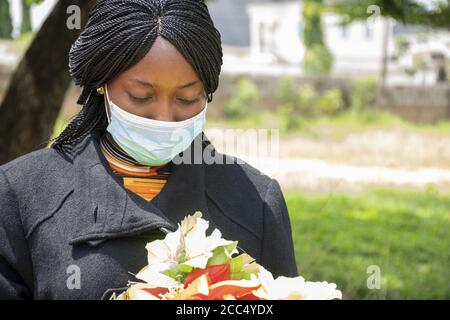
(142, 291)
(215, 274)
(236, 289)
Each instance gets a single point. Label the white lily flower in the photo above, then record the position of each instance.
(190, 238)
(166, 250)
(284, 288)
(199, 247)
(162, 255)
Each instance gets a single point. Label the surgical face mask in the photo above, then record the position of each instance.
(152, 142)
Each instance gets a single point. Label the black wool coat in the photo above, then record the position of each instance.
(70, 230)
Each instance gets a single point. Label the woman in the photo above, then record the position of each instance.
(75, 217)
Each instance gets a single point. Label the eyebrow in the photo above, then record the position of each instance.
(148, 84)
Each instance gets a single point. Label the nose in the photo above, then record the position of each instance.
(163, 112)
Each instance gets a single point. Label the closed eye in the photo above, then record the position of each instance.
(188, 102)
(139, 99)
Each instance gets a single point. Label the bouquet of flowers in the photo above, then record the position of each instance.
(189, 265)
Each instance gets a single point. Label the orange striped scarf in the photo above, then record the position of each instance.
(143, 180)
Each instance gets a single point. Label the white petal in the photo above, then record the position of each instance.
(153, 277)
(199, 261)
(164, 250)
(189, 222)
(321, 291)
(173, 241)
(195, 239)
(215, 240)
(157, 252)
(284, 288)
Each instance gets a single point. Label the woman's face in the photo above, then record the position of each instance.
(162, 86)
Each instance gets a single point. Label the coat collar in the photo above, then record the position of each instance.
(107, 210)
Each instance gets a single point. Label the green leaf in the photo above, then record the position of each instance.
(222, 254)
(178, 272)
(185, 268)
(242, 267)
(182, 256)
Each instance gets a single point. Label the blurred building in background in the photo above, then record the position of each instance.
(265, 37)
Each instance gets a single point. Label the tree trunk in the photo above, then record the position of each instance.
(385, 51)
(39, 84)
(26, 20)
(5, 20)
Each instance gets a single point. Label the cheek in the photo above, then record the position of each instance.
(186, 112)
(121, 99)
(125, 104)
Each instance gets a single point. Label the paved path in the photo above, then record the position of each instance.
(318, 175)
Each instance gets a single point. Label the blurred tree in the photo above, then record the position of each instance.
(5, 20)
(244, 99)
(313, 31)
(318, 59)
(39, 84)
(26, 20)
(434, 13)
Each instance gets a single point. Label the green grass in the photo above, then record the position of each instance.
(377, 118)
(407, 234)
(346, 122)
(261, 119)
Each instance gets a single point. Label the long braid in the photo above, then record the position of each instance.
(118, 34)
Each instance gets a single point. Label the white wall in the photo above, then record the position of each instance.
(358, 47)
(285, 37)
(354, 52)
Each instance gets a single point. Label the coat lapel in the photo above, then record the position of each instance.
(184, 192)
(107, 210)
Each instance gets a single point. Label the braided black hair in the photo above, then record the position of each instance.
(118, 34)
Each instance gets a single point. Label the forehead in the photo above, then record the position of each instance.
(163, 66)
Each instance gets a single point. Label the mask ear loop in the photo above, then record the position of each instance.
(107, 103)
